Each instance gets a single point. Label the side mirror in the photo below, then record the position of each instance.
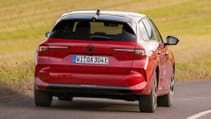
(171, 40)
(47, 34)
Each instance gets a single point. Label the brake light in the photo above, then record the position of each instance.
(43, 48)
(124, 49)
(136, 51)
(57, 47)
(140, 52)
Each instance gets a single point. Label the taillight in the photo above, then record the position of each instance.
(140, 52)
(57, 47)
(136, 51)
(124, 49)
(41, 51)
(43, 48)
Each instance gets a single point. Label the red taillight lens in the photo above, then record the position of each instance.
(43, 48)
(57, 47)
(136, 51)
(124, 49)
(140, 52)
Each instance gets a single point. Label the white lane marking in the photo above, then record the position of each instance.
(195, 98)
(200, 114)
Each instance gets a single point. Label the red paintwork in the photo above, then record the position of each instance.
(125, 69)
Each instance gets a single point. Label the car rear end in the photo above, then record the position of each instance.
(91, 56)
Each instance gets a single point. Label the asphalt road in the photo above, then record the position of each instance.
(191, 97)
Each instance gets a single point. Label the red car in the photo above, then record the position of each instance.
(105, 54)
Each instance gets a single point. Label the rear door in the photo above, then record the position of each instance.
(154, 43)
(163, 55)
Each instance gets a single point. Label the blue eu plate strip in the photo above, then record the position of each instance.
(74, 59)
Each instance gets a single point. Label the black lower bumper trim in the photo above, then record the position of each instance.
(91, 91)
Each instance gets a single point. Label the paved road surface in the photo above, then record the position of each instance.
(191, 97)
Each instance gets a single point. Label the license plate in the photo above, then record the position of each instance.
(90, 59)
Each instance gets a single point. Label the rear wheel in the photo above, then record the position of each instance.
(167, 100)
(148, 103)
(42, 98)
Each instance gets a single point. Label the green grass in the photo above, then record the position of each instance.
(23, 24)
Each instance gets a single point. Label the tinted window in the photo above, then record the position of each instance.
(88, 30)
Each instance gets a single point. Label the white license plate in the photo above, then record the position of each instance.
(76, 59)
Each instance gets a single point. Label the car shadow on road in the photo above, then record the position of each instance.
(93, 104)
(12, 98)
(15, 99)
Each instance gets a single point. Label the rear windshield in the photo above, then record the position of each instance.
(89, 30)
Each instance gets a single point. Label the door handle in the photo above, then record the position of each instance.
(166, 53)
(158, 52)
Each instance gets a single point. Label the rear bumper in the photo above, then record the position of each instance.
(112, 92)
(123, 86)
(119, 92)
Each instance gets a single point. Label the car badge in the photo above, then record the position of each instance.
(90, 48)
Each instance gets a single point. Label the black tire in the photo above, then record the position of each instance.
(42, 98)
(167, 100)
(148, 103)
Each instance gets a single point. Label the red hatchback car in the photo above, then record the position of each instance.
(106, 54)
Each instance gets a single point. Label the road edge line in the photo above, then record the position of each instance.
(200, 114)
